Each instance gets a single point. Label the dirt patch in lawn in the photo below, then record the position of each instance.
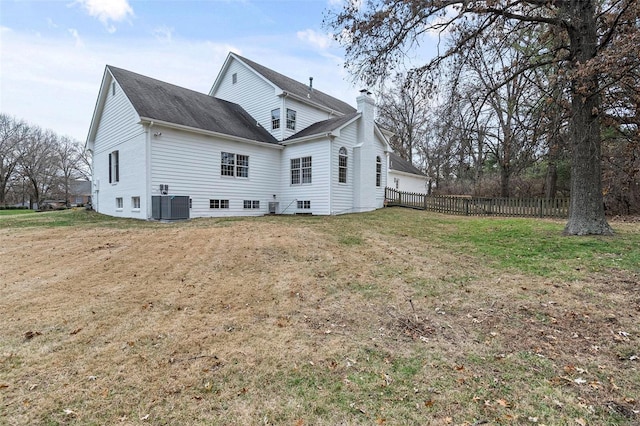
(269, 322)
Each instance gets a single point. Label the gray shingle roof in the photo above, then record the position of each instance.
(325, 126)
(162, 101)
(398, 164)
(292, 86)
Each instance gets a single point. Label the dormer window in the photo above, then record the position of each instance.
(291, 119)
(275, 119)
(234, 78)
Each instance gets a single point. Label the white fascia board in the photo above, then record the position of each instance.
(226, 65)
(387, 146)
(407, 173)
(388, 133)
(151, 121)
(332, 134)
(310, 102)
(97, 110)
(308, 138)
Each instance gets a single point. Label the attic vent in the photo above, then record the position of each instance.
(164, 189)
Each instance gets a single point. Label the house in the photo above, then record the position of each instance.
(405, 177)
(258, 142)
(79, 193)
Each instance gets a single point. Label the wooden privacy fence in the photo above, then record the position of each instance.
(479, 206)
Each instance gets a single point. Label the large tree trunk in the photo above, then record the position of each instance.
(586, 209)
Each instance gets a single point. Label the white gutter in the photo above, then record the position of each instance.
(312, 103)
(309, 138)
(146, 120)
(407, 173)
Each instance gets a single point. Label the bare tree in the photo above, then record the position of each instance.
(69, 156)
(379, 34)
(39, 164)
(402, 108)
(12, 134)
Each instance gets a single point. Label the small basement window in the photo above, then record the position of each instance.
(251, 204)
(218, 204)
(304, 204)
(119, 203)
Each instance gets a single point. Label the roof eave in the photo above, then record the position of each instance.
(97, 110)
(226, 65)
(152, 121)
(400, 172)
(308, 138)
(308, 101)
(383, 137)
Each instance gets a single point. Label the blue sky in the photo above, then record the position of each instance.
(53, 52)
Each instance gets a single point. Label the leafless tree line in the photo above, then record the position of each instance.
(482, 129)
(37, 164)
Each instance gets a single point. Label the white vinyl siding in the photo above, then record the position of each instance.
(118, 129)
(190, 165)
(407, 182)
(306, 115)
(342, 194)
(252, 93)
(315, 192)
(379, 148)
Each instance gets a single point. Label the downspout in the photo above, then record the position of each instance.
(147, 153)
(283, 116)
(330, 173)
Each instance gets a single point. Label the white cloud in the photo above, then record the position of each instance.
(318, 40)
(163, 34)
(107, 11)
(53, 81)
(74, 33)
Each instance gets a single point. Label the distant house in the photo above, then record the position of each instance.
(404, 176)
(259, 142)
(79, 192)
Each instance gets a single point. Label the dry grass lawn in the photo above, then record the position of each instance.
(304, 321)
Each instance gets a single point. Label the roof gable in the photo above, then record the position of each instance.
(299, 90)
(156, 100)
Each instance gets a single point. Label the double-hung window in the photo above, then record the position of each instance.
(291, 119)
(275, 119)
(342, 165)
(234, 165)
(114, 166)
(378, 171)
(300, 170)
